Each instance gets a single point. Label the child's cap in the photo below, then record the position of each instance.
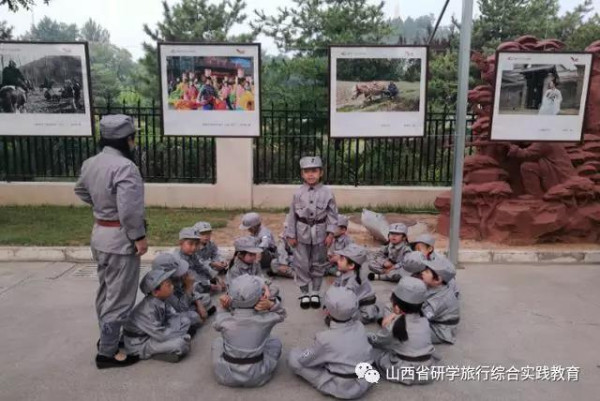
(202, 227)
(413, 263)
(250, 220)
(341, 303)
(355, 253)
(442, 266)
(245, 291)
(171, 261)
(411, 290)
(153, 279)
(398, 228)
(188, 233)
(311, 162)
(426, 239)
(246, 244)
(342, 221)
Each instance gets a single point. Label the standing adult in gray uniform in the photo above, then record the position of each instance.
(112, 184)
(312, 220)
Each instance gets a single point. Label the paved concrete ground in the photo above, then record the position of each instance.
(511, 315)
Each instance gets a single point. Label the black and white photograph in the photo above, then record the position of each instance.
(210, 89)
(377, 91)
(545, 92)
(44, 89)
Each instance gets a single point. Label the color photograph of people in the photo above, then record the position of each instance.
(542, 89)
(211, 83)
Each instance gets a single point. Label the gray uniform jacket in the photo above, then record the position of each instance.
(452, 284)
(442, 310)
(368, 311)
(394, 253)
(285, 253)
(210, 253)
(391, 354)
(158, 329)
(246, 333)
(123, 202)
(335, 351)
(313, 214)
(239, 268)
(265, 239)
(339, 243)
(184, 303)
(203, 273)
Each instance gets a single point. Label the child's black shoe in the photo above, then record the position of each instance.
(106, 362)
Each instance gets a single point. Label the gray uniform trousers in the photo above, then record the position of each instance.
(442, 309)
(246, 333)
(335, 351)
(394, 253)
(391, 354)
(310, 264)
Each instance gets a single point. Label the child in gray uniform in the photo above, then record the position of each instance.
(424, 243)
(154, 329)
(389, 259)
(312, 221)
(441, 307)
(246, 355)
(349, 262)
(282, 265)
(329, 364)
(208, 251)
(403, 345)
(341, 241)
(252, 223)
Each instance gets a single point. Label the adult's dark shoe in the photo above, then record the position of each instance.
(106, 362)
(305, 302)
(315, 301)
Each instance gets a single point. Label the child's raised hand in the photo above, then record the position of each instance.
(201, 310)
(388, 264)
(264, 305)
(188, 283)
(225, 301)
(388, 319)
(329, 240)
(293, 242)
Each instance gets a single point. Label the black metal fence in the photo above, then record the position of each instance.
(286, 136)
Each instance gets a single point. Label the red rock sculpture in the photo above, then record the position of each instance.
(529, 193)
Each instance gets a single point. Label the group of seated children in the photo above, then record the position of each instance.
(423, 307)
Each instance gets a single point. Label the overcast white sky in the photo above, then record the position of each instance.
(125, 18)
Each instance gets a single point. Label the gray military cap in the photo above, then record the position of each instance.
(202, 227)
(189, 233)
(153, 279)
(311, 162)
(341, 303)
(443, 267)
(250, 220)
(246, 244)
(413, 263)
(116, 126)
(245, 291)
(342, 221)
(355, 253)
(411, 290)
(398, 228)
(170, 261)
(426, 239)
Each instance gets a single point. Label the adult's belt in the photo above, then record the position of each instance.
(108, 223)
(344, 375)
(134, 334)
(243, 361)
(368, 301)
(449, 322)
(421, 358)
(311, 222)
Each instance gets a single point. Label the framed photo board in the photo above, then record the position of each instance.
(377, 91)
(45, 89)
(210, 89)
(540, 96)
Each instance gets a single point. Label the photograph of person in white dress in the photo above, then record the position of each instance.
(551, 99)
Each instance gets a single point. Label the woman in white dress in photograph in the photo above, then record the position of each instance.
(552, 98)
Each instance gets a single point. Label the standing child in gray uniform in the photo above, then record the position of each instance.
(208, 251)
(424, 244)
(403, 344)
(246, 355)
(252, 223)
(329, 364)
(312, 220)
(389, 259)
(341, 240)
(154, 329)
(282, 265)
(349, 262)
(441, 307)
(111, 183)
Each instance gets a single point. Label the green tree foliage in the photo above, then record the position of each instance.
(190, 20)
(50, 30)
(6, 31)
(94, 32)
(15, 5)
